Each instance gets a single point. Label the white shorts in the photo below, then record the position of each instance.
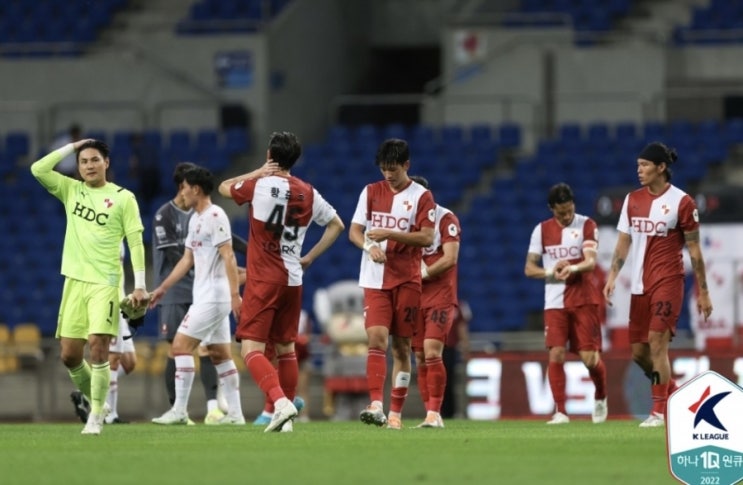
(208, 322)
(122, 342)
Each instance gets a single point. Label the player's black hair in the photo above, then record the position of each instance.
(559, 194)
(180, 170)
(392, 152)
(284, 148)
(419, 180)
(95, 145)
(200, 177)
(658, 153)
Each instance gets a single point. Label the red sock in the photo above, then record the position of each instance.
(422, 385)
(268, 405)
(397, 399)
(264, 375)
(659, 393)
(436, 383)
(556, 376)
(598, 376)
(376, 372)
(288, 374)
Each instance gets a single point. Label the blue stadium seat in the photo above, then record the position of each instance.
(509, 135)
(236, 141)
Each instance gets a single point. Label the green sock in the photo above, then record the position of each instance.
(100, 379)
(80, 376)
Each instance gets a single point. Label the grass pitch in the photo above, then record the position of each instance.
(504, 452)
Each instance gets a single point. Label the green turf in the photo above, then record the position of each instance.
(466, 452)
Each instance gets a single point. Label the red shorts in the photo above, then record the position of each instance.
(657, 310)
(579, 328)
(396, 309)
(270, 313)
(435, 323)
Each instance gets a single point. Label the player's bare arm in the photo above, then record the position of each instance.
(184, 266)
(358, 238)
(532, 268)
(704, 303)
(230, 264)
(446, 261)
(268, 168)
(587, 265)
(332, 230)
(421, 238)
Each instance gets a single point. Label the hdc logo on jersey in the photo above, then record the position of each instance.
(705, 431)
(563, 252)
(89, 214)
(383, 220)
(643, 225)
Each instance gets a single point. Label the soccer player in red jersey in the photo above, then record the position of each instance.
(656, 222)
(439, 309)
(394, 219)
(567, 244)
(281, 207)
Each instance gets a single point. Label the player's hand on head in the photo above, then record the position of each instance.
(269, 168)
(80, 143)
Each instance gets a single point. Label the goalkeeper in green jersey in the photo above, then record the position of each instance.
(100, 214)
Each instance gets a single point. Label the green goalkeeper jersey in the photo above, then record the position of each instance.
(97, 221)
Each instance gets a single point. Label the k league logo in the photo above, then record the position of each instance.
(704, 429)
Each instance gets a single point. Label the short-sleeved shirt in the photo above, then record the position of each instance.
(207, 231)
(169, 230)
(441, 290)
(656, 224)
(281, 209)
(408, 210)
(98, 218)
(556, 243)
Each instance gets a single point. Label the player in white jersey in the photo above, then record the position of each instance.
(566, 244)
(393, 221)
(656, 222)
(215, 295)
(281, 209)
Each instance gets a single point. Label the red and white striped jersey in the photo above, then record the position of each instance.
(556, 243)
(441, 290)
(281, 209)
(409, 210)
(656, 224)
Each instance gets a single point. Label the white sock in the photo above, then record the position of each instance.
(230, 382)
(184, 375)
(113, 393)
(211, 405)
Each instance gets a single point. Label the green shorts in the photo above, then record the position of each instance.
(88, 308)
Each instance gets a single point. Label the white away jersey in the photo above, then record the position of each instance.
(206, 232)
